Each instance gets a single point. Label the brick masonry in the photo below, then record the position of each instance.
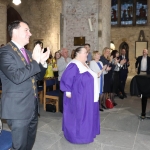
(76, 15)
(130, 35)
(3, 22)
(43, 18)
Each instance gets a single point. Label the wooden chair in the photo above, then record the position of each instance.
(52, 96)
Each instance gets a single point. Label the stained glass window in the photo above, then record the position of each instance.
(141, 12)
(114, 12)
(128, 12)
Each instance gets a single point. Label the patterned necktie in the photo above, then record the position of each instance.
(25, 55)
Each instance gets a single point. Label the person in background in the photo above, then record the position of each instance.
(72, 54)
(115, 75)
(142, 64)
(19, 71)
(55, 68)
(49, 72)
(123, 73)
(89, 56)
(107, 60)
(97, 66)
(2, 45)
(81, 120)
(61, 64)
(57, 56)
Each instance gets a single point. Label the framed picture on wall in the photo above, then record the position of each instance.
(79, 41)
(139, 46)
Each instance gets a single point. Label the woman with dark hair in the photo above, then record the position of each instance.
(72, 54)
(81, 120)
(115, 74)
(57, 55)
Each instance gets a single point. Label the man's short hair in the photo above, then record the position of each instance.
(15, 25)
(2, 45)
(63, 50)
(87, 44)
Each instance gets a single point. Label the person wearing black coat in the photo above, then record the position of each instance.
(123, 72)
(142, 64)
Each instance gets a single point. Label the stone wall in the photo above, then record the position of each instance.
(129, 35)
(43, 18)
(75, 15)
(104, 24)
(3, 22)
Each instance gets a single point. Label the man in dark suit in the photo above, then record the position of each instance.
(123, 72)
(142, 64)
(19, 71)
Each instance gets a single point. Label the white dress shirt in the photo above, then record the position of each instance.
(61, 65)
(144, 63)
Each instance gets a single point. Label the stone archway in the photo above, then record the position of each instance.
(125, 46)
(12, 15)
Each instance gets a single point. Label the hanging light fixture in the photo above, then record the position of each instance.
(16, 2)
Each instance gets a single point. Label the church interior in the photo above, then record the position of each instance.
(101, 23)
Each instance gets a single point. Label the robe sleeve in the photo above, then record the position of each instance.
(68, 78)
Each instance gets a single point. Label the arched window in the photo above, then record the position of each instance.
(125, 46)
(128, 12)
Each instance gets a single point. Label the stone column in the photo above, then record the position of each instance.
(104, 24)
(76, 16)
(3, 23)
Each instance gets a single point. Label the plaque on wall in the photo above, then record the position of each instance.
(139, 46)
(79, 41)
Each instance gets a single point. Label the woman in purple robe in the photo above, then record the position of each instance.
(81, 120)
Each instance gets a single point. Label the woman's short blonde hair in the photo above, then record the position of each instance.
(94, 53)
(104, 50)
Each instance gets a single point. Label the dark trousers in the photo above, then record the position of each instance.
(61, 93)
(24, 131)
(123, 78)
(115, 82)
(144, 104)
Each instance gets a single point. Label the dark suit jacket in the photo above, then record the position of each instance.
(138, 64)
(106, 62)
(19, 89)
(124, 68)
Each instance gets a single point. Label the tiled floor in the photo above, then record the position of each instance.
(121, 129)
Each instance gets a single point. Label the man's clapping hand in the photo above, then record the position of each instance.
(123, 61)
(38, 54)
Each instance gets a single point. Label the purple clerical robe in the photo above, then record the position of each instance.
(81, 120)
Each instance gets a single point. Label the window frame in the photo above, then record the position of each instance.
(134, 16)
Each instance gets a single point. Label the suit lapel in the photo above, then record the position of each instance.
(15, 48)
